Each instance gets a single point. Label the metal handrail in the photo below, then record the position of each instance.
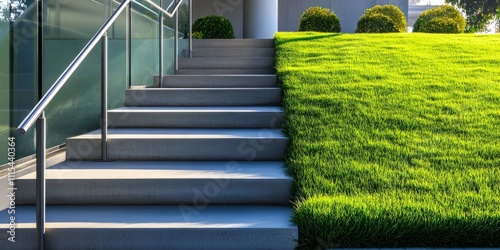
(37, 114)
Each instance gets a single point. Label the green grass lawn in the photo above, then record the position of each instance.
(394, 138)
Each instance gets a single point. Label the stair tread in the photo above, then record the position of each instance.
(208, 89)
(229, 72)
(226, 58)
(233, 43)
(218, 89)
(180, 133)
(231, 52)
(155, 109)
(172, 217)
(227, 76)
(166, 170)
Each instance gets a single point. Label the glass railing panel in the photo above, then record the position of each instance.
(145, 45)
(76, 108)
(69, 24)
(183, 29)
(4, 81)
(168, 42)
(23, 74)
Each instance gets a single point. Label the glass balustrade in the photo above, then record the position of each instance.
(68, 26)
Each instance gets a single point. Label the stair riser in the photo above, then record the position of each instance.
(179, 149)
(233, 43)
(158, 238)
(226, 63)
(242, 81)
(195, 120)
(213, 97)
(224, 71)
(228, 52)
(197, 192)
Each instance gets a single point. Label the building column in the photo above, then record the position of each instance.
(260, 18)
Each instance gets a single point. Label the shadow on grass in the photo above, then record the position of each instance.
(310, 37)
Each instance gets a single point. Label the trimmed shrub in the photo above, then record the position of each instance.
(319, 19)
(391, 11)
(376, 23)
(442, 19)
(382, 19)
(213, 27)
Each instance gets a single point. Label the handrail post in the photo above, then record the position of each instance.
(40, 180)
(128, 45)
(190, 28)
(40, 138)
(104, 97)
(176, 43)
(39, 24)
(160, 43)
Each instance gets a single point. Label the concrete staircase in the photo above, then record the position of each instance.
(196, 164)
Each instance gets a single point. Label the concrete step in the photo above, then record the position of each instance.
(203, 97)
(155, 227)
(196, 117)
(218, 81)
(181, 144)
(233, 43)
(160, 183)
(231, 52)
(224, 71)
(227, 63)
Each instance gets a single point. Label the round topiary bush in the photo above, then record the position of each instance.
(393, 12)
(442, 19)
(213, 27)
(319, 19)
(373, 21)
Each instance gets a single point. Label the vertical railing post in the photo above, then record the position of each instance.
(176, 42)
(160, 43)
(40, 180)
(39, 10)
(104, 97)
(128, 45)
(190, 28)
(40, 137)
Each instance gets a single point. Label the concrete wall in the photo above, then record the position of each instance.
(348, 11)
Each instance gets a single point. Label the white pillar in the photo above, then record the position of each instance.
(260, 18)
